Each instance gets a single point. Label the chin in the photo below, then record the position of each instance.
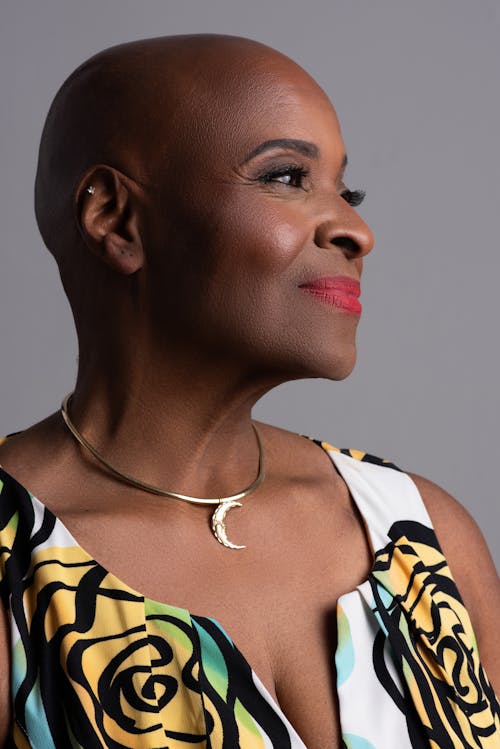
(340, 368)
(326, 365)
(341, 374)
(331, 358)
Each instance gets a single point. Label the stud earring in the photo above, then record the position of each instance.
(91, 190)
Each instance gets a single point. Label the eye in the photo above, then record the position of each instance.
(291, 175)
(353, 197)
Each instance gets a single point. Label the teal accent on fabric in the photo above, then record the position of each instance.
(387, 598)
(213, 662)
(219, 626)
(386, 602)
(344, 656)
(36, 721)
(356, 742)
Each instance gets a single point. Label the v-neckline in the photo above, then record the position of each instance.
(186, 613)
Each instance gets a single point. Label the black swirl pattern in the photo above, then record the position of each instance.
(422, 614)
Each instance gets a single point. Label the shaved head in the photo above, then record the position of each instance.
(128, 107)
(188, 187)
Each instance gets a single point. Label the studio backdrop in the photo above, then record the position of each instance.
(416, 89)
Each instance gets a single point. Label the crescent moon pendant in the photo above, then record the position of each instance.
(219, 524)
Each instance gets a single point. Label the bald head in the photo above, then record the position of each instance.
(127, 107)
(216, 166)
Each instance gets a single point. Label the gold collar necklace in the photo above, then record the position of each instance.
(224, 504)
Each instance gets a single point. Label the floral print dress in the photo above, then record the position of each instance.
(97, 664)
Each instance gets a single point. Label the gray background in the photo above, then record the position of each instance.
(416, 88)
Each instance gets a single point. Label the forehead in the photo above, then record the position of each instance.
(236, 109)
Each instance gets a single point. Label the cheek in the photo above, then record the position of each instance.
(255, 255)
(259, 237)
(237, 259)
(226, 280)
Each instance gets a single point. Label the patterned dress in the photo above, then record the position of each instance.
(96, 664)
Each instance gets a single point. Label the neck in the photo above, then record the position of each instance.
(182, 424)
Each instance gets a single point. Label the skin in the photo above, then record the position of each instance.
(183, 271)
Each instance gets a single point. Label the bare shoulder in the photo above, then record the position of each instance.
(294, 452)
(458, 532)
(471, 565)
(33, 439)
(29, 455)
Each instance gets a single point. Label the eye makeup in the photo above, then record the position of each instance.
(286, 174)
(353, 197)
(294, 175)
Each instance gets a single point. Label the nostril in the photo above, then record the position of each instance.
(346, 243)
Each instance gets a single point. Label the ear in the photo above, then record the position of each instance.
(107, 218)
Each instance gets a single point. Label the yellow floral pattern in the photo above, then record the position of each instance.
(429, 628)
(96, 664)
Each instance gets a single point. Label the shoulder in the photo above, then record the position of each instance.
(471, 565)
(296, 445)
(460, 536)
(449, 516)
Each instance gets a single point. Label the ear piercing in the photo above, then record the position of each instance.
(90, 189)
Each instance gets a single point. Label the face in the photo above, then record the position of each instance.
(252, 231)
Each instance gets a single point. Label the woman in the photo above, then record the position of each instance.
(191, 190)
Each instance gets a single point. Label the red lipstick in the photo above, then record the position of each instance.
(338, 291)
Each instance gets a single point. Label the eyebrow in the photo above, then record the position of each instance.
(301, 146)
(304, 147)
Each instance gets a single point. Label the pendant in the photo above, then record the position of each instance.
(219, 524)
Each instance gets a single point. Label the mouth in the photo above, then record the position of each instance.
(337, 291)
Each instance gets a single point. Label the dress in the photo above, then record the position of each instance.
(96, 664)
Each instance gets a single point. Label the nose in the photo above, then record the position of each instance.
(346, 230)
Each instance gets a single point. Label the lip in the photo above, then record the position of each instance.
(337, 291)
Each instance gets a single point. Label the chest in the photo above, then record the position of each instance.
(276, 600)
(277, 603)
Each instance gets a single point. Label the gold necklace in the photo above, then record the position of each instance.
(224, 504)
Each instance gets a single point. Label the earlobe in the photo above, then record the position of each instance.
(107, 218)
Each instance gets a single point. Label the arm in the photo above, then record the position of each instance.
(472, 567)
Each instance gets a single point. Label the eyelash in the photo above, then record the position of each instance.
(353, 197)
(296, 171)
